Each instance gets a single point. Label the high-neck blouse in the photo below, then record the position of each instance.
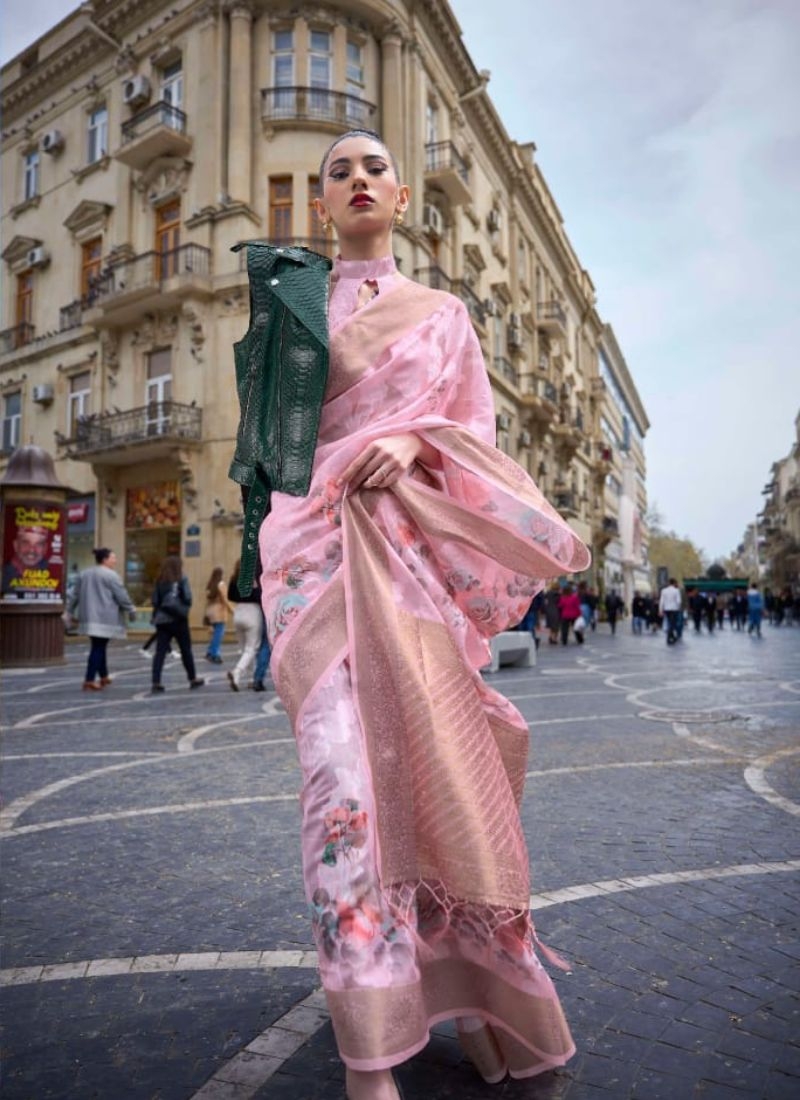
(347, 278)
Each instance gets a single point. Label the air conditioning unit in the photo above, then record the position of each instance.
(524, 438)
(52, 141)
(494, 220)
(432, 220)
(136, 91)
(38, 257)
(503, 422)
(514, 336)
(43, 394)
(490, 307)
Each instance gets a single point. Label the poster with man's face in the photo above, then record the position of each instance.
(33, 551)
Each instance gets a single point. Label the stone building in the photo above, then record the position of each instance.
(779, 521)
(144, 140)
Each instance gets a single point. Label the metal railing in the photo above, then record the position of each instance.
(550, 393)
(150, 269)
(160, 114)
(161, 419)
(610, 525)
(504, 367)
(305, 104)
(433, 277)
(326, 246)
(471, 300)
(552, 311)
(440, 155)
(565, 501)
(11, 339)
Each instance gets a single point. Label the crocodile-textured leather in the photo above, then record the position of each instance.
(281, 374)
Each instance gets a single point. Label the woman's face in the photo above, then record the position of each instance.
(360, 192)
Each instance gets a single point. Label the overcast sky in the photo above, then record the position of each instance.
(669, 133)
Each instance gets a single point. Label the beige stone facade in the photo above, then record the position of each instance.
(144, 140)
(779, 522)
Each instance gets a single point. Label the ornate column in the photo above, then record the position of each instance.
(207, 182)
(392, 93)
(240, 128)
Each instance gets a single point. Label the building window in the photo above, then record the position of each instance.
(91, 262)
(80, 388)
(31, 185)
(24, 306)
(168, 239)
(355, 68)
(172, 92)
(12, 420)
(283, 72)
(158, 391)
(431, 123)
(280, 208)
(522, 262)
(499, 333)
(98, 134)
(319, 66)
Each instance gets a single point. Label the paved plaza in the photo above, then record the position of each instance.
(156, 940)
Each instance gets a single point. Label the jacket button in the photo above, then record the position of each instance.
(273, 282)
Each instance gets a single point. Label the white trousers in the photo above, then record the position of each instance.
(248, 622)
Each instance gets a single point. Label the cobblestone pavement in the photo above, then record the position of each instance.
(156, 941)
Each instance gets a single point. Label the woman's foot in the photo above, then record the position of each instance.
(258, 685)
(92, 685)
(156, 689)
(105, 681)
(480, 1046)
(197, 682)
(378, 1085)
(233, 682)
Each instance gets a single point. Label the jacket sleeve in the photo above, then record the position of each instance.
(186, 591)
(75, 597)
(155, 599)
(120, 594)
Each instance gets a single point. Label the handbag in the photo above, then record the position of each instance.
(173, 604)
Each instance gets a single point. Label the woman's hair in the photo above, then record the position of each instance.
(235, 574)
(101, 554)
(212, 588)
(373, 135)
(171, 570)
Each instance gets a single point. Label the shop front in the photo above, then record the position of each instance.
(80, 536)
(152, 532)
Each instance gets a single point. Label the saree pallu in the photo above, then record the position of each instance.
(379, 604)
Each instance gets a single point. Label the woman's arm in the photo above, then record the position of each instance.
(223, 595)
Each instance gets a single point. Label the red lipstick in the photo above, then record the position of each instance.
(362, 199)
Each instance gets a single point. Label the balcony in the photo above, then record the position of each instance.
(504, 368)
(471, 300)
(326, 246)
(610, 526)
(158, 131)
(552, 319)
(604, 462)
(446, 169)
(566, 502)
(316, 107)
(152, 280)
(541, 398)
(12, 339)
(136, 435)
(433, 277)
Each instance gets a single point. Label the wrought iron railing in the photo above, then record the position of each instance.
(326, 246)
(471, 301)
(440, 155)
(565, 501)
(433, 277)
(315, 105)
(11, 339)
(159, 420)
(504, 367)
(550, 393)
(610, 525)
(150, 269)
(552, 311)
(160, 114)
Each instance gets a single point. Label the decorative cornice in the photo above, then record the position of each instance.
(18, 248)
(87, 213)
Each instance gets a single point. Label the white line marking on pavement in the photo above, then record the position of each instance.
(126, 720)
(688, 763)
(756, 780)
(583, 718)
(14, 809)
(186, 743)
(558, 694)
(149, 811)
(681, 730)
(65, 755)
(670, 878)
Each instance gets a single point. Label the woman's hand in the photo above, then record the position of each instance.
(384, 461)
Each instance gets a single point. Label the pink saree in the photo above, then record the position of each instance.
(379, 605)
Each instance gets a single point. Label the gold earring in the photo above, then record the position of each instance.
(398, 218)
(326, 225)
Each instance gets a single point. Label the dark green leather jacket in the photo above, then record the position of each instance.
(281, 374)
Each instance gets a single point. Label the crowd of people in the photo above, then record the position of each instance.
(99, 605)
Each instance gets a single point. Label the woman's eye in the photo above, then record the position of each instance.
(338, 175)
(377, 169)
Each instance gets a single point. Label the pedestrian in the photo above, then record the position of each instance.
(216, 613)
(710, 609)
(638, 613)
(99, 601)
(552, 616)
(248, 623)
(389, 557)
(614, 607)
(583, 596)
(145, 649)
(755, 609)
(697, 608)
(670, 603)
(172, 599)
(720, 613)
(262, 659)
(569, 609)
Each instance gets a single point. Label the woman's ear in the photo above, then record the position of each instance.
(322, 213)
(403, 198)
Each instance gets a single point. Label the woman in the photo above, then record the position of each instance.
(99, 601)
(416, 542)
(552, 615)
(248, 622)
(172, 599)
(216, 613)
(569, 610)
